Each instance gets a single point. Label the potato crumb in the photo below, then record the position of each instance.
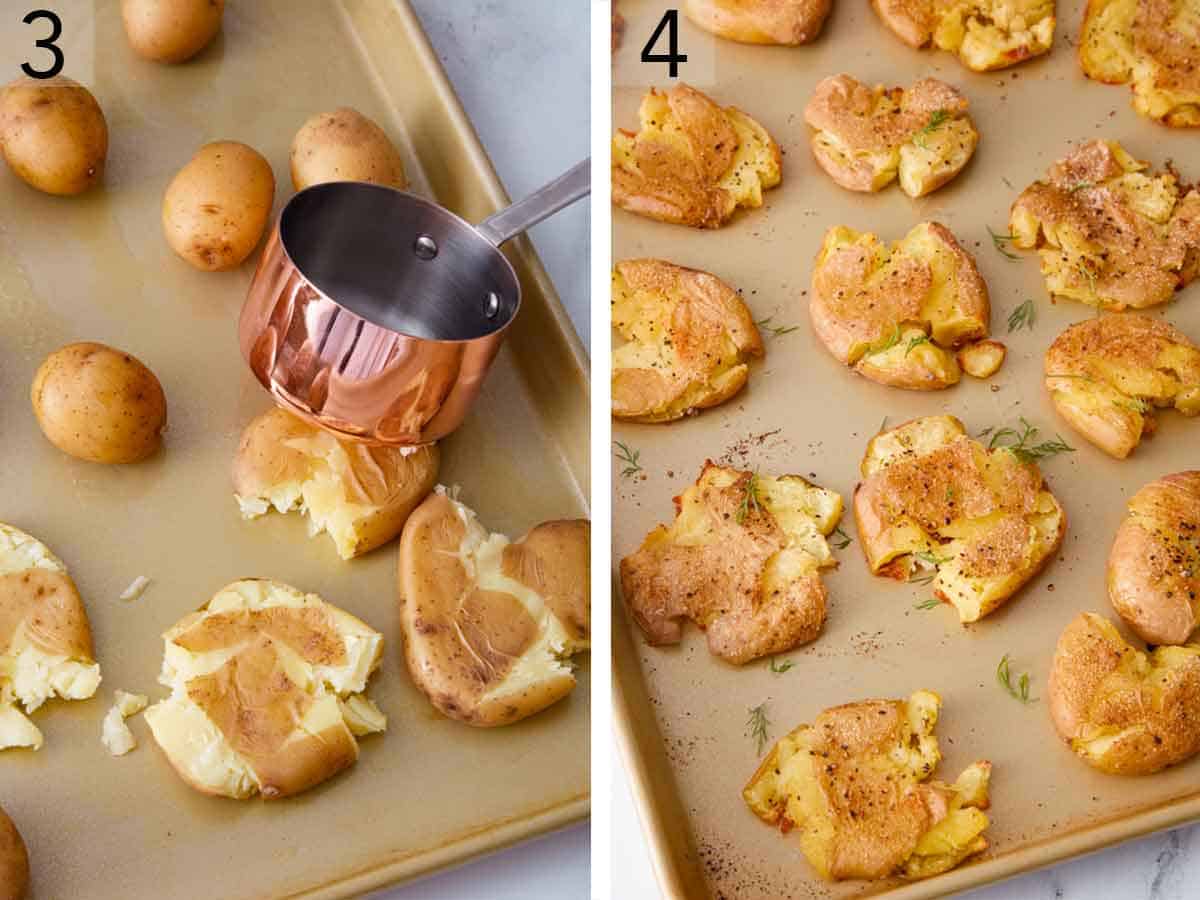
(116, 736)
(136, 588)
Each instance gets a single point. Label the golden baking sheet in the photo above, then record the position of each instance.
(431, 791)
(681, 713)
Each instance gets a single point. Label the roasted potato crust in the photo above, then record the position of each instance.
(865, 137)
(742, 560)
(688, 339)
(359, 494)
(788, 22)
(490, 624)
(933, 498)
(985, 34)
(693, 162)
(896, 313)
(1154, 564)
(1106, 376)
(1109, 232)
(854, 784)
(1123, 711)
(1153, 44)
(14, 861)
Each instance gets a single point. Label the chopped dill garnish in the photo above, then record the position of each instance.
(843, 539)
(630, 457)
(1021, 689)
(928, 604)
(887, 343)
(1019, 442)
(758, 723)
(780, 667)
(936, 120)
(749, 499)
(916, 342)
(1022, 317)
(1000, 241)
(776, 330)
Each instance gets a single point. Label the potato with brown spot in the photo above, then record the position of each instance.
(865, 138)
(854, 786)
(171, 31)
(1108, 376)
(1122, 711)
(742, 560)
(216, 209)
(1110, 232)
(1152, 45)
(489, 624)
(1154, 564)
(984, 34)
(687, 339)
(14, 861)
(781, 22)
(53, 134)
(267, 691)
(692, 162)
(357, 493)
(897, 313)
(98, 403)
(934, 500)
(344, 145)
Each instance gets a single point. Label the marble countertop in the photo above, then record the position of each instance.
(491, 49)
(1160, 867)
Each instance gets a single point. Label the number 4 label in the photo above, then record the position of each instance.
(669, 23)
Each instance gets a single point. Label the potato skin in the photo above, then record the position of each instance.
(53, 134)
(100, 404)
(14, 861)
(344, 145)
(171, 31)
(216, 209)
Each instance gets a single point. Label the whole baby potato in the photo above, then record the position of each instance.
(14, 861)
(53, 134)
(171, 31)
(99, 404)
(215, 210)
(344, 145)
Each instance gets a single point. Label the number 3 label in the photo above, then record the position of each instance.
(669, 23)
(46, 43)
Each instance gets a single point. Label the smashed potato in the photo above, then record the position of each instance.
(1109, 232)
(45, 637)
(688, 338)
(1154, 564)
(1153, 44)
(742, 560)
(261, 678)
(1107, 375)
(1123, 711)
(490, 625)
(854, 785)
(787, 22)
(896, 313)
(359, 494)
(982, 359)
(692, 162)
(865, 137)
(934, 499)
(986, 34)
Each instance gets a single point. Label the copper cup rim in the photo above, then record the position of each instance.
(492, 335)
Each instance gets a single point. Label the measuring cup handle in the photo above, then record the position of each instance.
(561, 192)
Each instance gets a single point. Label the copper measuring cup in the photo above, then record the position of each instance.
(375, 313)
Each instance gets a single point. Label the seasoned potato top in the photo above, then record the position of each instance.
(692, 162)
(894, 312)
(788, 22)
(866, 136)
(986, 34)
(1155, 44)
(1107, 375)
(933, 498)
(851, 784)
(490, 624)
(1110, 233)
(688, 337)
(1123, 711)
(742, 560)
(1154, 565)
(259, 677)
